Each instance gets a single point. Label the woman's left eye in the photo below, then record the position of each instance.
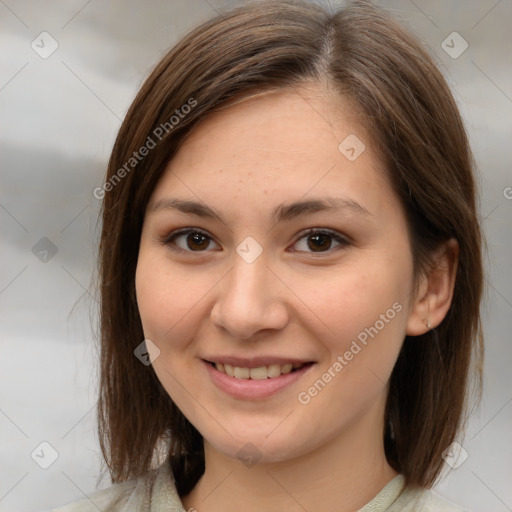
(317, 240)
(321, 240)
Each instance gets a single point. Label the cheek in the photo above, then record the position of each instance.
(366, 317)
(171, 303)
(167, 303)
(365, 313)
(354, 299)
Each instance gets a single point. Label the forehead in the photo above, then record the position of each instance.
(301, 121)
(289, 142)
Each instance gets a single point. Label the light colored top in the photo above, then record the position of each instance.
(156, 492)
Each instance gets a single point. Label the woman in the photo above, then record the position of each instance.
(291, 271)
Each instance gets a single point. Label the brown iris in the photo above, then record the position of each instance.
(322, 241)
(197, 241)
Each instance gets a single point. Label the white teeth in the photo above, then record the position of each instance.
(241, 373)
(273, 370)
(260, 373)
(286, 368)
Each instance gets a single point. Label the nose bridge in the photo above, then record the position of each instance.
(248, 300)
(247, 282)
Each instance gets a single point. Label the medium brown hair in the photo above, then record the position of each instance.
(414, 123)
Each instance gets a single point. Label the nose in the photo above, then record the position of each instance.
(251, 300)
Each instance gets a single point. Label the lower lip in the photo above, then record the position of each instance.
(252, 388)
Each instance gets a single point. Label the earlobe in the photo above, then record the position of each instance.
(435, 291)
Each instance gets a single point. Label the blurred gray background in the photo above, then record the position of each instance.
(68, 72)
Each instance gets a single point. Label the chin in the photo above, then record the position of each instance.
(259, 447)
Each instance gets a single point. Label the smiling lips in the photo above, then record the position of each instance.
(258, 373)
(255, 378)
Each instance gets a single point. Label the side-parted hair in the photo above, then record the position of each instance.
(413, 121)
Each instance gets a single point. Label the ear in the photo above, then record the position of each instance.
(435, 290)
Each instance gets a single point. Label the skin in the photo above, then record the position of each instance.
(308, 303)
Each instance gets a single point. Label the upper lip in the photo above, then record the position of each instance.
(255, 362)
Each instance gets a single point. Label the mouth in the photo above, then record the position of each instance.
(254, 380)
(262, 372)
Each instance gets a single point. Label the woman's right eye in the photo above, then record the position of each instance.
(188, 240)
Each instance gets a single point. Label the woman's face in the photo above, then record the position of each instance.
(274, 241)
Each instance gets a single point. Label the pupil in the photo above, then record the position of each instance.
(322, 238)
(197, 238)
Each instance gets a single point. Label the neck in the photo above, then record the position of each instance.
(342, 475)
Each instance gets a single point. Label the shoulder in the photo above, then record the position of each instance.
(110, 499)
(421, 500)
(154, 491)
(436, 503)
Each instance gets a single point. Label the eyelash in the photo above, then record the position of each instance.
(343, 241)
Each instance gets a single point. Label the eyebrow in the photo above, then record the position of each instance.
(283, 212)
